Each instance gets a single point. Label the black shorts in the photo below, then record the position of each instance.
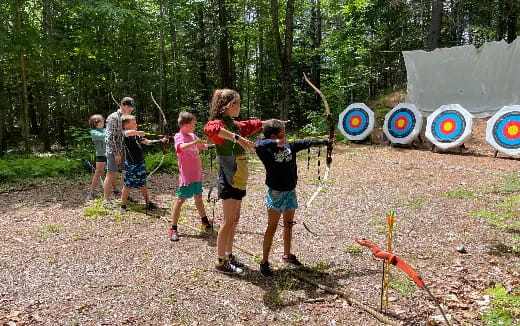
(226, 191)
(101, 158)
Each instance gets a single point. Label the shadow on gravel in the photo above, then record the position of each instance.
(281, 289)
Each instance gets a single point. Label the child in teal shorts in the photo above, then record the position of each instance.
(187, 146)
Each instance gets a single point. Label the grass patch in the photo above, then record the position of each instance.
(504, 306)
(460, 193)
(47, 229)
(511, 184)
(354, 249)
(405, 288)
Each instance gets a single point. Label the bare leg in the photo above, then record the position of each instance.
(229, 245)
(107, 185)
(176, 209)
(100, 166)
(200, 205)
(144, 193)
(272, 224)
(225, 234)
(124, 195)
(288, 219)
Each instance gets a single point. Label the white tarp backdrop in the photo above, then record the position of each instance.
(482, 80)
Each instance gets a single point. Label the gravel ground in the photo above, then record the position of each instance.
(65, 261)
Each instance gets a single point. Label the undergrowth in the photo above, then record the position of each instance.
(504, 308)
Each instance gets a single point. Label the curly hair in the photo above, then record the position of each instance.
(272, 127)
(221, 98)
(94, 120)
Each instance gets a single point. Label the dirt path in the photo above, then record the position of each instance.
(64, 262)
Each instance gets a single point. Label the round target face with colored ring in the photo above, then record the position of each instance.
(403, 123)
(503, 130)
(449, 126)
(356, 122)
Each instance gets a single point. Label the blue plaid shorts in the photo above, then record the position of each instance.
(135, 176)
(281, 201)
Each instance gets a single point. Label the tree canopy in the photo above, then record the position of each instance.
(60, 61)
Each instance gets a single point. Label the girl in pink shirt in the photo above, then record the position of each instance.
(187, 146)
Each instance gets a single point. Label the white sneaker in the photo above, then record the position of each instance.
(108, 204)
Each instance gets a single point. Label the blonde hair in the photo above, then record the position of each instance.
(125, 119)
(94, 120)
(185, 118)
(221, 98)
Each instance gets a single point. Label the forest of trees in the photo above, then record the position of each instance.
(60, 60)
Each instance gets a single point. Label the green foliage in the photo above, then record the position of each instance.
(460, 193)
(354, 249)
(46, 230)
(405, 288)
(168, 165)
(511, 184)
(27, 169)
(505, 307)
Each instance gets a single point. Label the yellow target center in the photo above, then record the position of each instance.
(513, 130)
(448, 126)
(355, 121)
(401, 123)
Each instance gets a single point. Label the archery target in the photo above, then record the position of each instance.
(403, 123)
(449, 126)
(503, 130)
(356, 122)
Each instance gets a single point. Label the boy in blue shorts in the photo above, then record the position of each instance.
(279, 159)
(135, 175)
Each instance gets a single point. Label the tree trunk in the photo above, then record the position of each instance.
(435, 24)
(501, 21)
(46, 75)
(224, 48)
(175, 67)
(315, 46)
(203, 66)
(161, 58)
(17, 14)
(511, 19)
(284, 52)
(3, 144)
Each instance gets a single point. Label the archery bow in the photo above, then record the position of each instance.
(329, 146)
(164, 146)
(399, 263)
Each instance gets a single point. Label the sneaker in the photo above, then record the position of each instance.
(235, 262)
(123, 209)
(208, 227)
(227, 268)
(151, 205)
(291, 259)
(108, 204)
(90, 195)
(116, 192)
(173, 235)
(265, 270)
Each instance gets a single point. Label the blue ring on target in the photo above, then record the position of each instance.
(500, 130)
(448, 126)
(393, 120)
(362, 123)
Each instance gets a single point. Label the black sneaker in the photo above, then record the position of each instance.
(265, 270)
(232, 259)
(291, 259)
(150, 205)
(227, 268)
(123, 209)
(208, 227)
